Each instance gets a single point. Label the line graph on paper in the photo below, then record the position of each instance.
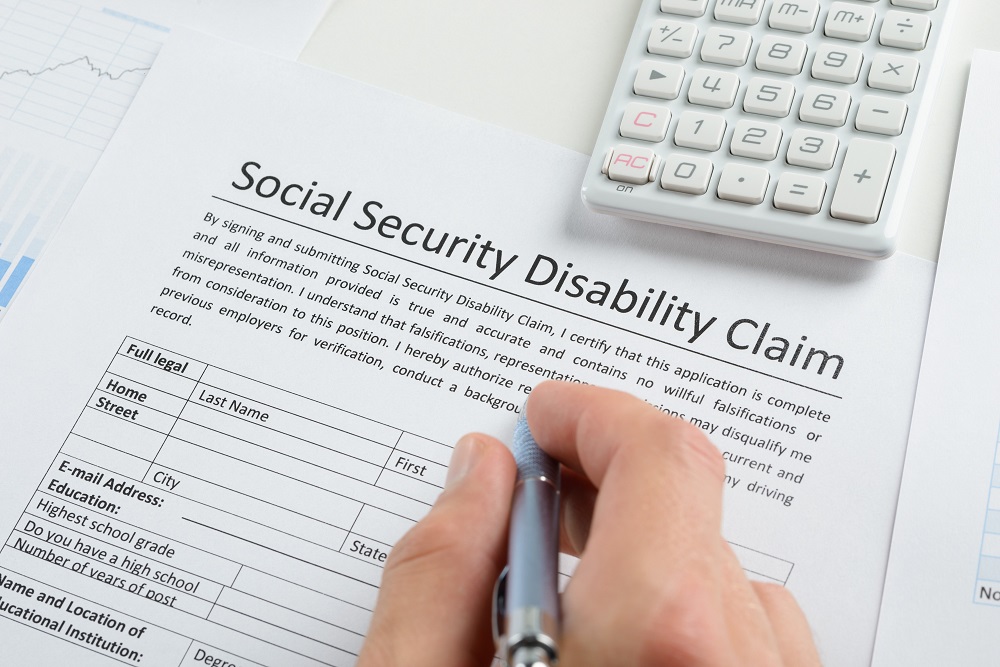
(69, 70)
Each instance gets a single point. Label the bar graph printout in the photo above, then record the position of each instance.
(68, 72)
(252, 389)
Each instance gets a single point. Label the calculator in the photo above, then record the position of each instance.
(789, 121)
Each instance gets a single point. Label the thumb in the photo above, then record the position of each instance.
(436, 595)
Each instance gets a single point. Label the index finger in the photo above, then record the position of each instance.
(636, 455)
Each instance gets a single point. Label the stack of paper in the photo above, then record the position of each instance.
(235, 381)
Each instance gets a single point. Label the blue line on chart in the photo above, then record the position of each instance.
(133, 19)
(4, 265)
(86, 59)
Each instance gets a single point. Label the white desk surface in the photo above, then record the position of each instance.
(546, 69)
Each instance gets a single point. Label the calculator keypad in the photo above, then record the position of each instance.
(799, 105)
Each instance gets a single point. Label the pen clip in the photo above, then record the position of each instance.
(500, 607)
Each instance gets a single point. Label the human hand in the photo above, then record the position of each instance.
(642, 506)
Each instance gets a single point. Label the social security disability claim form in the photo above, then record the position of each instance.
(283, 295)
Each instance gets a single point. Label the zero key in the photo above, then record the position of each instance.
(863, 180)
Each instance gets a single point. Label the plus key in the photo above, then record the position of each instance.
(863, 180)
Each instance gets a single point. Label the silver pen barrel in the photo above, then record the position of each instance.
(532, 594)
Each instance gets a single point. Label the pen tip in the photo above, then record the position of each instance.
(534, 656)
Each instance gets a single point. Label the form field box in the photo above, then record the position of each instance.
(216, 505)
(200, 655)
(118, 434)
(308, 434)
(121, 463)
(291, 620)
(128, 389)
(409, 487)
(381, 525)
(133, 414)
(152, 377)
(279, 636)
(418, 468)
(991, 545)
(426, 449)
(313, 603)
(277, 451)
(306, 408)
(257, 482)
(760, 565)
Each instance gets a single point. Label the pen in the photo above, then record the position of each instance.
(531, 591)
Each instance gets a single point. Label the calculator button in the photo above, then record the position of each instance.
(645, 122)
(893, 72)
(759, 141)
(915, 4)
(631, 164)
(701, 131)
(798, 16)
(863, 179)
(905, 30)
(746, 12)
(726, 47)
(812, 149)
(837, 63)
(881, 115)
(659, 79)
(769, 97)
(784, 55)
(802, 194)
(713, 88)
(684, 7)
(683, 173)
(825, 106)
(851, 22)
(743, 184)
(672, 38)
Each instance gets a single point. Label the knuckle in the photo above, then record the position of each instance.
(773, 595)
(428, 542)
(697, 450)
(688, 628)
(685, 442)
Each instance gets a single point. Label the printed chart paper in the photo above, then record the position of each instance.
(68, 71)
(942, 595)
(283, 295)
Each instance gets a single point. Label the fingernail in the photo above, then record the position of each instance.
(467, 451)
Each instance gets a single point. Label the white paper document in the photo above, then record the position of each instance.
(68, 71)
(942, 595)
(283, 295)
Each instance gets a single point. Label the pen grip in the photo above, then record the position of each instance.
(532, 589)
(532, 462)
(533, 557)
